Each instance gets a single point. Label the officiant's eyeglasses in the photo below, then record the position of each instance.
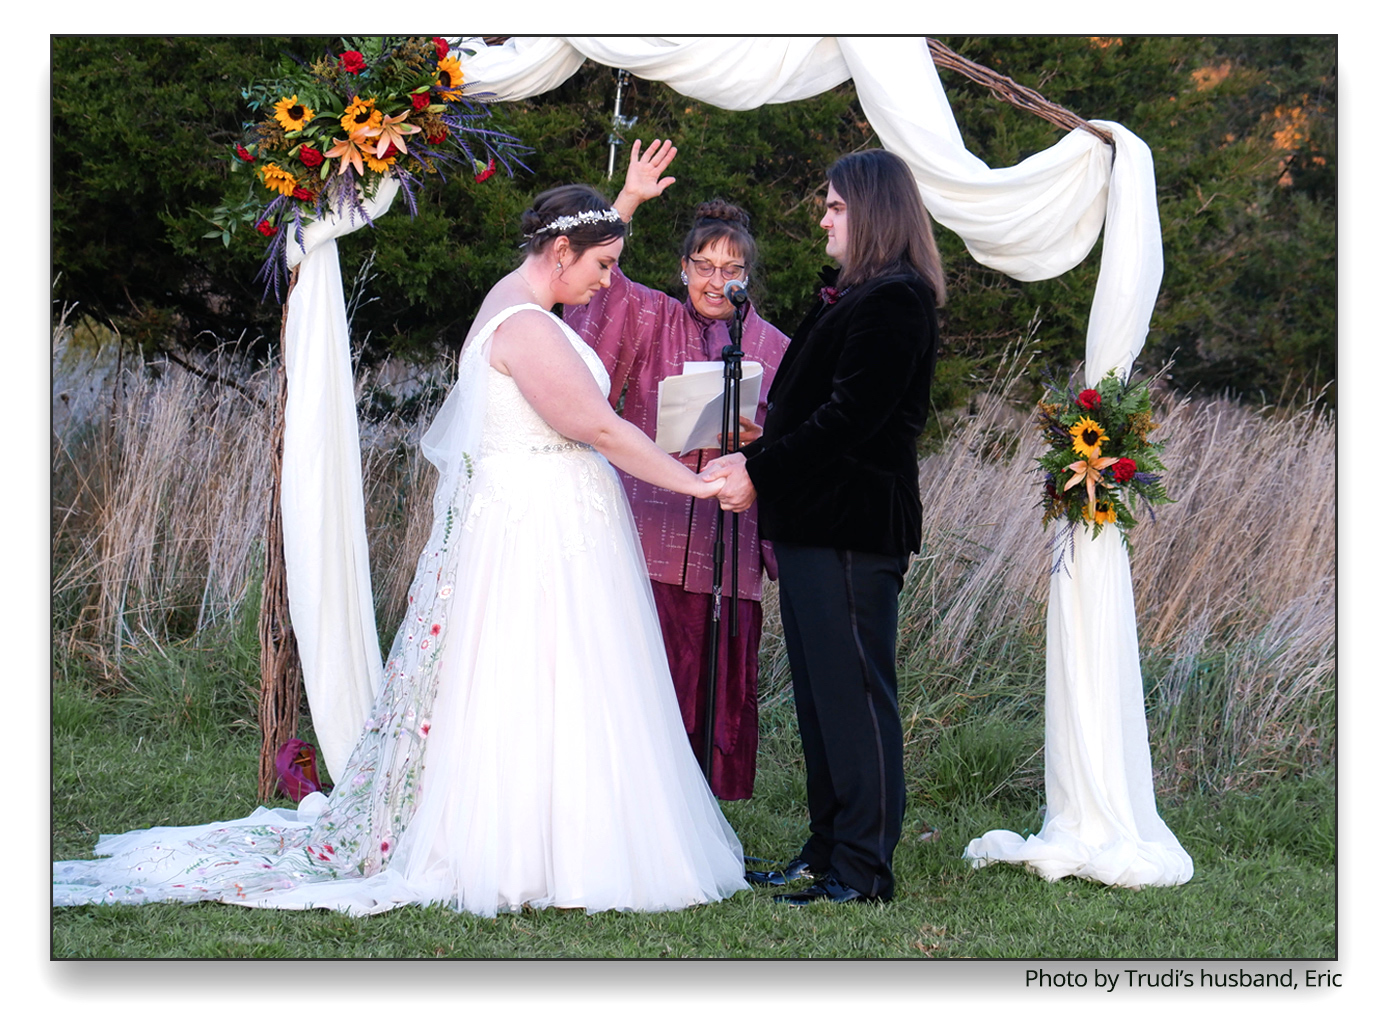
(706, 269)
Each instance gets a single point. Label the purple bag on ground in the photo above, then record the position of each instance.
(297, 767)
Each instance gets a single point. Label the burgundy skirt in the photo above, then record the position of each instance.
(685, 619)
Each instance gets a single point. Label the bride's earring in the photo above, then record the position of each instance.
(683, 277)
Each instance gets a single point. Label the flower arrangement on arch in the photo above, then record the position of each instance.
(1101, 463)
(329, 131)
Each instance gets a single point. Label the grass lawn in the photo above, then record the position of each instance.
(1264, 884)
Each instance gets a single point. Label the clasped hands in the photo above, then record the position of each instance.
(737, 492)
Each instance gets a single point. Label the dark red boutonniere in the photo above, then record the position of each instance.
(830, 295)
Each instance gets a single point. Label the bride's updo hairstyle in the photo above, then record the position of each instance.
(577, 211)
(719, 220)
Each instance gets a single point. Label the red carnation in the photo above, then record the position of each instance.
(419, 100)
(440, 137)
(353, 62)
(490, 169)
(1089, 399)
(301, 193)
(309, 156)
(441, 45)
(390, 151)
(244, 154)
(1123, 470)
(265, 228)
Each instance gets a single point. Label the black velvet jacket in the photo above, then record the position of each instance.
(836, 465)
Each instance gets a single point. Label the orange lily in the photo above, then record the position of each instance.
(348, 150)
(390, 131)
(1089, 471)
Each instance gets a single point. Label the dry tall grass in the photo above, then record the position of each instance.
(159, 505)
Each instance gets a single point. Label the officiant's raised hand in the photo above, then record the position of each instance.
(645, 176)
(738, 492)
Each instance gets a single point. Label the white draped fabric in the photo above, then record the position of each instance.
(1032, 221)
(326, 561)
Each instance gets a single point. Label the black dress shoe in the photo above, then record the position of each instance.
(796, 870)
(830, 888)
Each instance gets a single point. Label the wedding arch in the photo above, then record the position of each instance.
(1032, 221)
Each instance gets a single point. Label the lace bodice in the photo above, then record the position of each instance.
(512, 425)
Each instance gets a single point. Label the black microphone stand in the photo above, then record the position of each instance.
(731, 442)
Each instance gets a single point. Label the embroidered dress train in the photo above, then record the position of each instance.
(526, 747)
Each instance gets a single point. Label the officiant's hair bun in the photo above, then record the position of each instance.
(579, 212)
(717, 220)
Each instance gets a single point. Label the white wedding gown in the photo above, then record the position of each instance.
(526, 748)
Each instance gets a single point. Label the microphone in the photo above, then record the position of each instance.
(735, 291)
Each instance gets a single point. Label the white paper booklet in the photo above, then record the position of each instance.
(690, 405)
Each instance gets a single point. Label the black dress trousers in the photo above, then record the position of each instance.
(840, 613)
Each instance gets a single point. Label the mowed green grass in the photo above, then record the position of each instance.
(1264, 884)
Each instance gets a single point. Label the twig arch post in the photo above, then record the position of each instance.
(281, 676)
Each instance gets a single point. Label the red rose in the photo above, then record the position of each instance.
(301, 193)
(353, 62)
(441, 45)
(1123, 470)
(419, 100)
(265, 228)
(439, 138)
(390, 151)
(309, 156)
(244, 154)
(1089, 399)
(490, 169)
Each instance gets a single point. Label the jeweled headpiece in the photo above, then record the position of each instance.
(568, 221)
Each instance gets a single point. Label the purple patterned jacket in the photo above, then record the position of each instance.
(643, 336)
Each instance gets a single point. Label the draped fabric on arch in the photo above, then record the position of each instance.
(326, 561)
(1032, 221)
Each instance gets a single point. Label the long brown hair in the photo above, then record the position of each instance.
(888, 229)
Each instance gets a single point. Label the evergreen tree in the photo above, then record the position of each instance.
(1242, 131)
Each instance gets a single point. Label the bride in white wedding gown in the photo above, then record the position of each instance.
(526, 747)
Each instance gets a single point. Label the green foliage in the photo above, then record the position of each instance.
(1243, 135)
(1242, 129)
(139, 126)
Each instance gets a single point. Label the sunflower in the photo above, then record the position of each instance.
(361, 114)
(292, 114)
(279, 180)
(1100, 512)
(376, 164)
(449, 78)
(1088, 437)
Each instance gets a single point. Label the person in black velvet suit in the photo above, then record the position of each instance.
(837, 476)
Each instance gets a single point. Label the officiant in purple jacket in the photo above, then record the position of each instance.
(644, 336)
